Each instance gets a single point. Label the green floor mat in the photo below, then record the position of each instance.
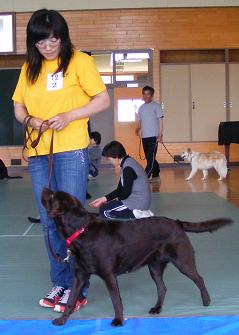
(24, 267)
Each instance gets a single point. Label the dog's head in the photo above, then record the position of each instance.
(59, 203)
(66, 210)
(187, 154)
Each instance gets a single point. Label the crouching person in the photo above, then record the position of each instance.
(132, 197)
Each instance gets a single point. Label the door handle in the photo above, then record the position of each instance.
(193, 105)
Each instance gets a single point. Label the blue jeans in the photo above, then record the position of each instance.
(69, 174)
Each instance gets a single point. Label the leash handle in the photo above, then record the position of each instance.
(34, 143)
(40, 132)
(27, 135)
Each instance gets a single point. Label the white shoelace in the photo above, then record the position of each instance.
(65, 297)
(55, 292)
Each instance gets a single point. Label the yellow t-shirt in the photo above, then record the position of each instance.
(54, 94)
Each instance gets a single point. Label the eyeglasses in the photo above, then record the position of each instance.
(51, 41)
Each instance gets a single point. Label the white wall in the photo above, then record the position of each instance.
(32, 5)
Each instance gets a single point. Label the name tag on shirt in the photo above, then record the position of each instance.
(54, 81)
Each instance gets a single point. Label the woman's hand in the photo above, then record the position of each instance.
(36, 123)
(60, 121)
(22, 115)
(98, 202)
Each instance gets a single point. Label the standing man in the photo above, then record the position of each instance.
(150, 123)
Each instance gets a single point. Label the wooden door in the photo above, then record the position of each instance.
(125, 131)
(208, 100)
(234, 91)
(175, 98)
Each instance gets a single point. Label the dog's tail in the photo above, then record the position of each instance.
(221, 167)
(205, 226)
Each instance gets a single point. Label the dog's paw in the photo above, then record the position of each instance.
(206, 301)
(117, 322)
(155, 310)
(59, 321)
(187, 178)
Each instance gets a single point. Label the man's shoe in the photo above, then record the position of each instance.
(34, 220)
(53, 297)
(60, 307)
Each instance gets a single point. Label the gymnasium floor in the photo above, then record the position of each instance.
(24, 270)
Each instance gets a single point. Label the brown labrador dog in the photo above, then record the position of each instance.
(111, 248)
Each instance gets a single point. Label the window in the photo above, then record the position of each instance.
(133, 66)
(123, 68)
(7, 33)
(103, 61)
(127, 109)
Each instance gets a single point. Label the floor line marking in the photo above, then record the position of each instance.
(28, 229)
(34, 235)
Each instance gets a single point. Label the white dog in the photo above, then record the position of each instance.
(206, 161)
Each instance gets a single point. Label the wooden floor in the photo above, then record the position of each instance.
(173, 180)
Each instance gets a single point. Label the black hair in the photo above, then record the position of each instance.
(114, 149)
(43, 24)
(96, 136)
(148, 88)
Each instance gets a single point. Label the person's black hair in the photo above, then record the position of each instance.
(114, 149)
(96, 136)
(43, 24)
(148, 88)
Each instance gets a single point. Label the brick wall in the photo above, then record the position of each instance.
(147, 28)
(159, 29)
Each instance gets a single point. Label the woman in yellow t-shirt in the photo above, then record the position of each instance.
(62, 85)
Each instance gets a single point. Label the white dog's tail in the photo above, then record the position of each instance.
(221, 167)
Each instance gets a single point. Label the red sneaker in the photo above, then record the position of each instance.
(61, 305)
(53, 297)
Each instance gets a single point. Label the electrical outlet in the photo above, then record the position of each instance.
(16, 161)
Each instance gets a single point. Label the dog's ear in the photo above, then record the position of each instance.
(46, 198)
(51, 203)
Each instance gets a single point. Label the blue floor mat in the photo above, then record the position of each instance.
(206, 325)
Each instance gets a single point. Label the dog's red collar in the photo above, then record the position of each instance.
(74, 236)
